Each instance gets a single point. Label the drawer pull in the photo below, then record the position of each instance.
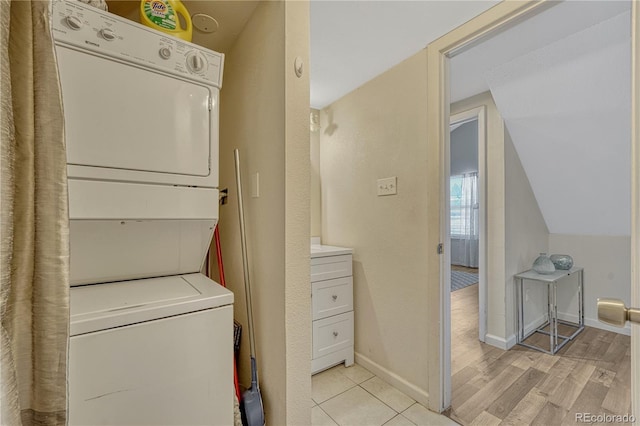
(335, 334)
(334, 297)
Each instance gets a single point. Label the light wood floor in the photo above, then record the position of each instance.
(591, 374)
(464, 269)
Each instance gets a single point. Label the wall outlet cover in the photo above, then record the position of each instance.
(388, 186)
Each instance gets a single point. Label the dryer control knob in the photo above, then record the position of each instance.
(196, 62)
(108, 34)
(165, 53)
(73, 22)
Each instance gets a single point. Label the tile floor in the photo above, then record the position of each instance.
(354, 396)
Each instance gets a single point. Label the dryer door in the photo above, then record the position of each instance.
(135, 123)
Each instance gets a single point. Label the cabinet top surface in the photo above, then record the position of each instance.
(322, 251)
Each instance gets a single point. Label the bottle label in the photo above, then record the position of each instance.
(160, 13)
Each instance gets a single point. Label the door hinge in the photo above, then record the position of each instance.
(440, 248)
(210, 103)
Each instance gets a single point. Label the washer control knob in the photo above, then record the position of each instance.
(165, 53)
(73, 22)
(196, 62)
(108, 34)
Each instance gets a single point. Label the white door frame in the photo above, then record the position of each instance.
(465, 116)
(500, 17)
(635, 203)
(478, 114)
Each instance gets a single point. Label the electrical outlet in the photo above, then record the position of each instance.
(387, 186)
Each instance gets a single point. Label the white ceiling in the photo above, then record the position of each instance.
(353, 41)
(469, 69)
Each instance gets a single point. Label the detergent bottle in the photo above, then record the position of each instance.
(162, 15)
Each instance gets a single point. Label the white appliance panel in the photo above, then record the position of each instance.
(83, 26)
(118, 250)
(133, 119)
(155, 372)
(92, 199)
(109, 305)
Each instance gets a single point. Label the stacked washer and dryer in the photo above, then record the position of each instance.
(151, 337)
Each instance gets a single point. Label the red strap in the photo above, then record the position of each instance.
(216, 236)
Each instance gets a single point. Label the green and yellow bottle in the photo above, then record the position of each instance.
(162, 15)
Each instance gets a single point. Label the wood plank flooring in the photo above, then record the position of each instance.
(591, 374)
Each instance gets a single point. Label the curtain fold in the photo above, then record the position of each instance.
(34, 232)
(465, 227)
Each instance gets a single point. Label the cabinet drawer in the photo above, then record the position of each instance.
(326, 268)
(332, 334)
(331, 297)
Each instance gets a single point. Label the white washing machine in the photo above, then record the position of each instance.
(151, 338)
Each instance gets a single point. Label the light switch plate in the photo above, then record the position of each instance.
(387, 186)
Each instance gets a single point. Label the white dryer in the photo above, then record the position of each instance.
(151, 337)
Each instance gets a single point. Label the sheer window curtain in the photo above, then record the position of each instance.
(34, 231)
(465, 226)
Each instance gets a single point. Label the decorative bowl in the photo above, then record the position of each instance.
(562, 261)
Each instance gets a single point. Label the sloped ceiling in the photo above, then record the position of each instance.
(567, 107)
(352, 41)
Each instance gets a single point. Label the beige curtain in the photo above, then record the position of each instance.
(34, 232)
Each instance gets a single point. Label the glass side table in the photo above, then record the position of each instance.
(556, 341)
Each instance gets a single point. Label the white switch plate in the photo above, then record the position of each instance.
(387, 186)
(255, 185)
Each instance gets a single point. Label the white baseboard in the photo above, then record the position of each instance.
(535, 324)
(509, 342)
(592, 322)
(500, 342)
(420, 395)
(505, 344)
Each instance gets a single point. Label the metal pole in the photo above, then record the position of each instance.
(245, 262)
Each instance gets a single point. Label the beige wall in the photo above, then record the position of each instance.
(316, 191)
(297, 293)
(526, 237)
(607, 273)
(378, 131)
(264, 113)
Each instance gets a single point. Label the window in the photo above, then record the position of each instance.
(464, 206)
(456, 204)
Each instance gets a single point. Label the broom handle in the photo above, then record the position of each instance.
(245, 262)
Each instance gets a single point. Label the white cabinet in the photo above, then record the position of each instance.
(331, 307)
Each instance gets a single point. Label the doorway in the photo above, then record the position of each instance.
(454, 42)
(466, 236)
